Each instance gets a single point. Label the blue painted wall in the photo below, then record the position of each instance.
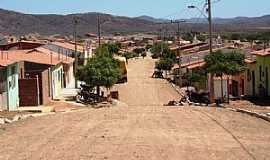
(12, 87)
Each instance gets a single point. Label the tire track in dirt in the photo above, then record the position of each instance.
(49, 134)
(210, 116)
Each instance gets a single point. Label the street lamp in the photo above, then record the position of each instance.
(99, 23)
(75, 23)
(209, 17)
(195, 7)
(178, 50)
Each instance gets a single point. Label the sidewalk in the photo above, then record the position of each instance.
(247, 107)
(26, 112)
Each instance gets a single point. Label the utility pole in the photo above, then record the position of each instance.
(99, 30)
(179, 52)
(211, 76)
(209, 10)
(75, 21)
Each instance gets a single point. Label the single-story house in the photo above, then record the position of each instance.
(43, 73)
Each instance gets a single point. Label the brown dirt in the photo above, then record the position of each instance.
(11, 115)
(144, 130)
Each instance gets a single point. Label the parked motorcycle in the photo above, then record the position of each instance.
(202, 98)
(86, 95)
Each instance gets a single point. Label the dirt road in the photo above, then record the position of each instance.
(144, 130)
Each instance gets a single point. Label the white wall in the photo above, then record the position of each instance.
(217, 85)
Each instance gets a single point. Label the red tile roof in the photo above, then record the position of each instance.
(38, 55)
(264, 52)
(249, 61)
(4, 63)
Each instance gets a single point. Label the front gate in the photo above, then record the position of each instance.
(29, 92)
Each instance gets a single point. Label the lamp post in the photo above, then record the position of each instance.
(99, 23)
(209, 17)
(99, 30)
(178, 51)
(75, 23)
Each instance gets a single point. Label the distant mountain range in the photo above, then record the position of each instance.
(253, 21)
(19, 23)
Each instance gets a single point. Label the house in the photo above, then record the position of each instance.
(190, 48)
(43, 73)
(262, 72)
(250, 78)
(9, 97)
(232, 85)
(20, 46)
(68, 49)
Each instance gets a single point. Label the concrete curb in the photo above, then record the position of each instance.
(254, 114)
(23, 117)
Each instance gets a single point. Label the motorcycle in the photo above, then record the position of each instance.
(85, 95)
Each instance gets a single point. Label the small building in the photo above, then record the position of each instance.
(20, 46)
(250, 78)
(68, 49)
(262, 72)
(43, 73)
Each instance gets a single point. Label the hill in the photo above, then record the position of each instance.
(48, 24)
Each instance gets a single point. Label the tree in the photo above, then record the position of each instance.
(196, 76)
(220, 63)
(158, 49)
(144, 54)
(235, 65)
(188, 36)
(148, 46)
(168, 54)
(129, 55)
(113, 48)
(202, 37)
(99, 71)
(216, 64)
(264, 38)
(103, 50)
(251, 38)
(164, 64)
(139, 50)
(107, 49)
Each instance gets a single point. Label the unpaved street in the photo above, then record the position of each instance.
(144, 130)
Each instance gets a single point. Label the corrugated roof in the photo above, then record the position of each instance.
(69, 46)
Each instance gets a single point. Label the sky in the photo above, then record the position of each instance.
(170, 9)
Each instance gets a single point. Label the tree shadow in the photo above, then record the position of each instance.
(259, 101)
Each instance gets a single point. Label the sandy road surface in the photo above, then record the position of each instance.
(144, 130)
